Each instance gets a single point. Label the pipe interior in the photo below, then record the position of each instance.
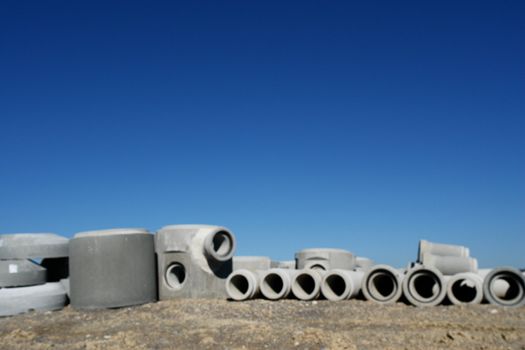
(425, 285)
(222, 243)
(382, 285)
(239, 286)
(464, 291)
(337, 284)
(273, 283)
(306, 283)
(513, 290)
(175, 275)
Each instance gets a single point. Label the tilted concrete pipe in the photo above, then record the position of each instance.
(505, 286)
(340, 284)
(383, 284)
(276, 283)
(465, 288)
(306, 284)
(441, 249)
(243, 284)
(324, 259)
(450, 265)
(424, 286)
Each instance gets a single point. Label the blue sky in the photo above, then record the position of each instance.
(359, 125)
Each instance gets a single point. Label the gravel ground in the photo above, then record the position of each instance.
(260, 324)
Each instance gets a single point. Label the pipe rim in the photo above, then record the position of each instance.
(220, 244)
(241, 285)
(298, 288)
(507, 274)
(327, 287)
(370, 290)
(274, 285)
(465, 278)
(410, 289)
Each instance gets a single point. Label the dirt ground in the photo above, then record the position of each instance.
(260, 324)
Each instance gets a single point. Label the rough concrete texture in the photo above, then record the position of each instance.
(325, 259)
(424, 286)
(450, 265)
(341, 284)
(33, 246)
(441, 249)
(20, 273)
(383, 284)
(112, 268)
(263, 325)
(465, 288)
(251, 263)
(49, 296)
(505, 286)
(194, 261)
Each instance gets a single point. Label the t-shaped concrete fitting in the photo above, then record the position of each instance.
(33, 246)
(324, 259)
(505, 286)
(20, 273)
(194, 261)
(465, 288)
(341, 284)
(383, 284)
(424, 286)
(441, 249)
(112, 268)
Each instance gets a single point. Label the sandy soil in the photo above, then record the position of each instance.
(260, 324)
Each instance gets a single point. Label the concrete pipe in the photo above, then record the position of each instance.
(306, 284)
(243, 284)
(364, 263)
(383, 284)
(33, 246)
(441, 249)
(424, 286)
(324, 259)
(45, 297)
(112, 268)
(276, 283)
(505, 286)
(21, 273)
(450, 265)
(465, 288)
(194, 261)
(251, 263)
(341, 284)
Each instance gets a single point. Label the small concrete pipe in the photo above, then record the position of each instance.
(450, 265)
(324, 259)
(276, 283)
(465, 288)
(505, 286)
(383, 284)
(441, 249)
(341, 284)
(243, 284)
(424, 286)
(306, 284)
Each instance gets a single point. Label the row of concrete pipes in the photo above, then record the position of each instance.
(125, 267)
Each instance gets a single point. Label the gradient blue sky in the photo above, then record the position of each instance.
(360, 125)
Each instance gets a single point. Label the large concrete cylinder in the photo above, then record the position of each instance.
(324, 259)
(112, 268)
(33, 246)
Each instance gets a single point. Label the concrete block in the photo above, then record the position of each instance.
(324, 259)
(251, 263)
(306, 284)
(276, 283)
(20, 273)
(424, 286)
(112, 268)
(341, 284)
(441, 249)
(505, 286)
(450, 265)
(46, 297)
(33, 246)
(465, 288)
(194, 261)
(383, 284)
(243, 284)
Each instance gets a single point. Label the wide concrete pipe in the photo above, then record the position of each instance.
(424, 286)
(33, 246)
(505, 286)
(383, 284)
(450, 265)
(21, 273)
(243, 284)
(44, 297)
(251, 263)
(324, 259)
(341, 284)
(306, 284)
(465, 288)
(276, 283)
(112, 268)
(441, 249)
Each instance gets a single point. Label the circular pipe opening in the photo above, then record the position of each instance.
(305, 286)
(239, 287)
(220, 245)
(464, 291)
(272, 286)
(424, 286)
(507, 288)
(382, 285)
(175, 275)
(336, 287)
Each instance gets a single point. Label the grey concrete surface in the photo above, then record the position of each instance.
(20, 273)
(424, 286)
(251, 263)
(441, 249)
(243, 284)
(194, 261)
(505, 286)
(306, 284)
(465, 288)
(46, 297)
(341, 284)
(286, 264)
(364, 263)
(112, 268)
(383, 284)
(33, 246)
(325, 259)
(450, 265)
(276, 283)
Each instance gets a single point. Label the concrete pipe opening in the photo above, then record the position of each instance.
(241, 285)
(505, 287)
(175, 275)
(382, 284)
(306, 286)
(424, 287)
(335, 287)
(273, 286)
(221, 245)
(464, 291)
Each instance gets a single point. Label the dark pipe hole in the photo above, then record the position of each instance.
(337, 284)
(463, 292)
(307, 283)
(425, 285)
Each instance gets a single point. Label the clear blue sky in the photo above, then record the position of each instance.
(361, 125)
